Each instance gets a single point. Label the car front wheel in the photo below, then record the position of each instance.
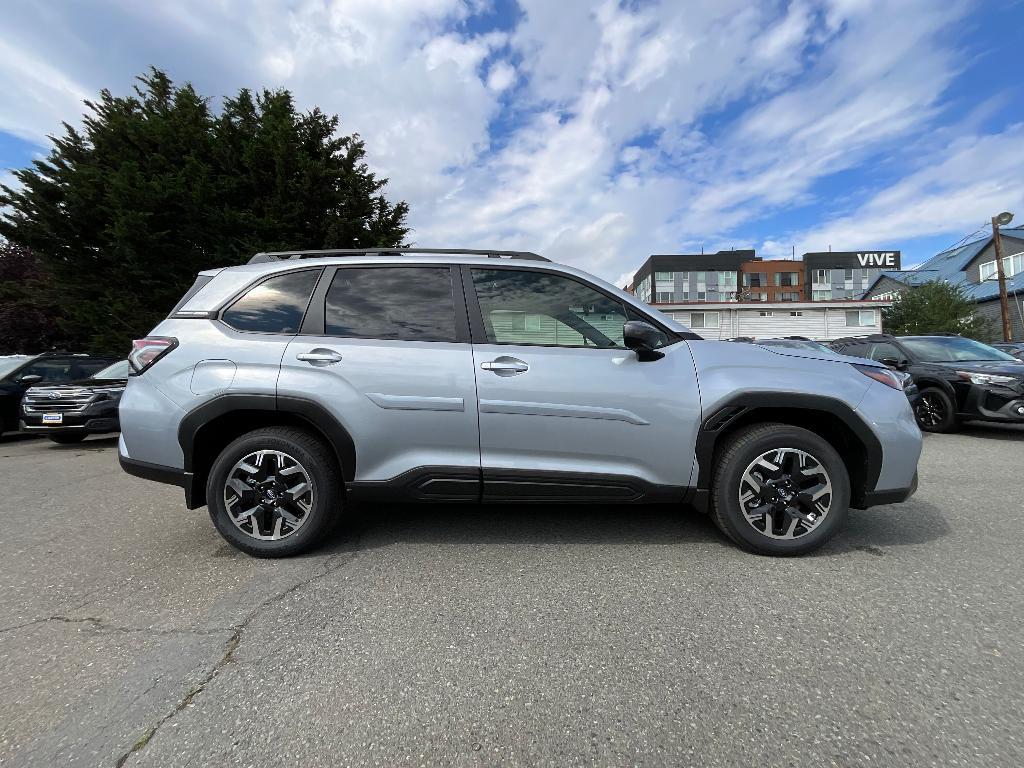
(779, 490)
(935, 411)
(274, 492)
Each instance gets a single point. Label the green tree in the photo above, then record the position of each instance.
(156, 186)
(28, 317)
(935, 307)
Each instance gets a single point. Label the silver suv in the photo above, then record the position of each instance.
(279, 391)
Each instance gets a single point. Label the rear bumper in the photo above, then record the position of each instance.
(159, 474)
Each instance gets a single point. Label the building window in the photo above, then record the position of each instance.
(755, 279)
(796, 314)
(863, 275)
(662, 275)
(788, 296)
(848, 275)
(685, 276)
(1012, 264)
(664, 297)
(726, 279)
(703, 319)
(765, 313)
(821, 295)
(702, 295)
(701, 277)
(860, 318)
(823, 276)
(787, 279)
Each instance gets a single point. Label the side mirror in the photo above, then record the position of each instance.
(30, 378)
(642, 338)
(892, 362)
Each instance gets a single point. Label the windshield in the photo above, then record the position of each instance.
(8, 364)
(953, 349)
(118, 370)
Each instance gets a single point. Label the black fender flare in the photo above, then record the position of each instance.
(716, 425)
(318, 417)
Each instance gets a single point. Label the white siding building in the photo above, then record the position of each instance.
(818, 320)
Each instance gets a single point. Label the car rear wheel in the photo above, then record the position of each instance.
(779, 490)
(274, 492)
(935, 411)
(69, 439)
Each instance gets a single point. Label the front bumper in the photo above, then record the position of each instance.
(878, 498)
(993, 403)
(88, 422)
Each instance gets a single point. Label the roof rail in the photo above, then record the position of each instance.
(263, 257)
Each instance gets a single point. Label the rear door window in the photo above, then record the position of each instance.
(276, 305)
(398, 303)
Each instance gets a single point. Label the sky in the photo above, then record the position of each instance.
(595, 133)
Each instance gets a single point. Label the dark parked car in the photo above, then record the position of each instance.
(958, 378)
(802, 342)
(68, 412)
(48, 368)
(1012, 348)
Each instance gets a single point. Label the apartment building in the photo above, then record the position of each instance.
(737, 293)
(671, 278)
(845, 274)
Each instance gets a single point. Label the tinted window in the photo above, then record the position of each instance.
(403, 303)
(855, 350)
(949, 349)
(116, 371)
(883, 350)
(53, 369)
(542, 308)
(275, 305)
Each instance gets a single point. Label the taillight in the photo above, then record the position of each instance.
(147, 351)
(881, 375)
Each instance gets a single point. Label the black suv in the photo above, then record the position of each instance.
(48, 368)
(958, 378)
(71, 411)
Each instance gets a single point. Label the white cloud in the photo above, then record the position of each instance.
(979, 177)
(632, 129)
(501, 76)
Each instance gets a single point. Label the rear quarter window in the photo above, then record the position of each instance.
(277, 305)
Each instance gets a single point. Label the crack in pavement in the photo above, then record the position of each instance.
(233, 642)
(101, 625)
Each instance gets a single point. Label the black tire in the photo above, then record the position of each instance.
(327, 490)
(69, 439)
(935, 411)
(736, 456)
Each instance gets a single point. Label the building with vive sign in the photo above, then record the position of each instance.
(737, 293)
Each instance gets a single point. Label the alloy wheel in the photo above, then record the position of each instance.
(930, 411)
(268, 495)
(785, 493)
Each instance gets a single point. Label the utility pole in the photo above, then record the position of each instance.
(997, 241)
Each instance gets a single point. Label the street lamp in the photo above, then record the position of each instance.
(1002, 220)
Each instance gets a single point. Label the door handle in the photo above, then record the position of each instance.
(506, 366)
(319, 357)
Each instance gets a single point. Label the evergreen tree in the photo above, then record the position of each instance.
(156, 187)
(28, 317)
(935, 307)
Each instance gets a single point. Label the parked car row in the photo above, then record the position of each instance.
(63, 396)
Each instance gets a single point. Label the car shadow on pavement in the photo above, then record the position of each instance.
(1013, 432)
(379, 526)
(872, 530)
(90, 444)
(16, 437)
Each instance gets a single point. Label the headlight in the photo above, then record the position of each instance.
(985, 378)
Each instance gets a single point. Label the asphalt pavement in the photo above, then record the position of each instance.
(130, 634)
